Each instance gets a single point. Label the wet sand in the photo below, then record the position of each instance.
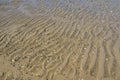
(59, 40)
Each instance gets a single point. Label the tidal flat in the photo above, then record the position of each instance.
(59, 39)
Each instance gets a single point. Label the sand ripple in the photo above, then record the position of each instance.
(60, 40)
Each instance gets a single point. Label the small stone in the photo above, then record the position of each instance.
(106, 59)
(111, 11)
(85, 48)
(13, 60)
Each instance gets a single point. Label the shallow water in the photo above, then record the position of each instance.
(95, 5)
(60, 39)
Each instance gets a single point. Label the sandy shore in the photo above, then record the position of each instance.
(59, 40)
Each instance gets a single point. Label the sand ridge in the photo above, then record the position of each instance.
(60, 40)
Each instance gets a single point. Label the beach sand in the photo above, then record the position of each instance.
(59, 40)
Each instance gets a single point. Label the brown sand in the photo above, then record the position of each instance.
(60, 40)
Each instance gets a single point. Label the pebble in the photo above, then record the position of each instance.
(111, 11)
(13, 60)
(85, 48)
(106, 59)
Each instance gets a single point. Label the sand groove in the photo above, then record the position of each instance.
(71, 43)
(21, 41)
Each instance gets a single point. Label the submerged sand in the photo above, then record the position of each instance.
(59, 40)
